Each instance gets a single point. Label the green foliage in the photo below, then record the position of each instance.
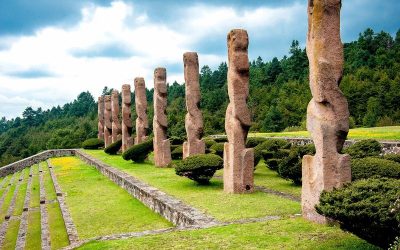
(290, 166)
(392, 157)
(113, 148)
(139, 152)
(176, 154)
(209, 142)
(174, 140)
(221, 139)
(218, 149)
(92, 143)
(374, 167)
(254, 141)
(270, 145)
(199, 168)
(363, 208)
(364, 148)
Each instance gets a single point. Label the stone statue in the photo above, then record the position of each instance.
(127, 140)
(162, 149)
(107, 120)
(238, 160)
(116, 125)
(100, 115)
(327, 112)
(142, 123)
(194, 118)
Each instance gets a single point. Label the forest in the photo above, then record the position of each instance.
(279, 94)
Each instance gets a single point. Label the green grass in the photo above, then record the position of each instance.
(211, 198)
(8, 198)
(58, 233)
(19, 202)
(290, 233)
(11, 235)
(33, 240)
(7, 179)
(35, 191)
(379, 133)
(97, 205)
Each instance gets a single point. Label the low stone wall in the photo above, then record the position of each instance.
(34, 159)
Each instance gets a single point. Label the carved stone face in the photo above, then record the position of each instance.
(160, 76)
(107, 102)
(126, 93)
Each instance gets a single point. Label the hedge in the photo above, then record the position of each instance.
(93, 143)
(218, 149)
(200, 167)
(374, 167)
(271, 145)
(139, 152)
(113, 148)
(177, 153)
(392, 157)
(364, 148)
(254, 141)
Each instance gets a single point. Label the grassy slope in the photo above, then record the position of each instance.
(380, 133)
(33, 240)
(97, 205)
(290, 233)
(210, 199)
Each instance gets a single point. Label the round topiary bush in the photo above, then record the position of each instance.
(363, 208)
(177, 153)
(364, 148)
(290, 167)
(374, 167)
(271, 145)
(93, 143)
(199, 168)
(209, 142)
(113, 148)
(218, 149)
(139, 152)
(254, 141)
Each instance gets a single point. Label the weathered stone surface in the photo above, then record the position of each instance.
(194, 118)
(100, 114)
(238, 160)
(142, 123)
(116, 133)
(327, 112)
(107, 120)
(162, 148)
(127, 140)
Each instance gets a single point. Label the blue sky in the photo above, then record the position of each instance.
(50, 51)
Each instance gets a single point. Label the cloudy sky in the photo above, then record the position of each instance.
(50, 51)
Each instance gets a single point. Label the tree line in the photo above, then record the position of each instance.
(279, 95)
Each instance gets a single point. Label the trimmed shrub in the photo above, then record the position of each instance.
(173, 147)
(374, 167)
(364, 148)
(273, 163)
(113, 148)
(93, 143)
(209, 142)
(221, 139)
(271, 145)
(218, 149)
(177, 153)
(392, 157)
(139, 152)
(254, 141)
(199, 168)
(290, 166)
(363, 208)
(174, 140)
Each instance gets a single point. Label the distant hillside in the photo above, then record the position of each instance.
(279, 94)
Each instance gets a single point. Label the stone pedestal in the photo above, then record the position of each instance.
(327, 112)
(116, 125)
(107, 120)
(100, 116)
(127, 140)
(194, 119)
(142, 123)
(238, 160)
(162, 149)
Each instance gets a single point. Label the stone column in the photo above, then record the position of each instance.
(142, 123)
(100, 115)
(238, 160)
(327, 112)
(162, 149)
(194, 119)
(127, 140)
(107, 120)
(116, 125)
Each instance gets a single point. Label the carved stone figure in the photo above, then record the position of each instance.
(327, 112)
(162, 149)
(127, 140)
(116, 125)
(142, 123)
(238, 160)
(194, 118)
(100, 115)
(107, 120)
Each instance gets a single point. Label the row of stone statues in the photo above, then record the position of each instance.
(327, 113)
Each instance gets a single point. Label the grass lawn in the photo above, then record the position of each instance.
(97, 205)
(379, 133)
(289, 233)
(19, 203)
(210, 198)
(12, 234)
(33, 240)
(8, 197)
